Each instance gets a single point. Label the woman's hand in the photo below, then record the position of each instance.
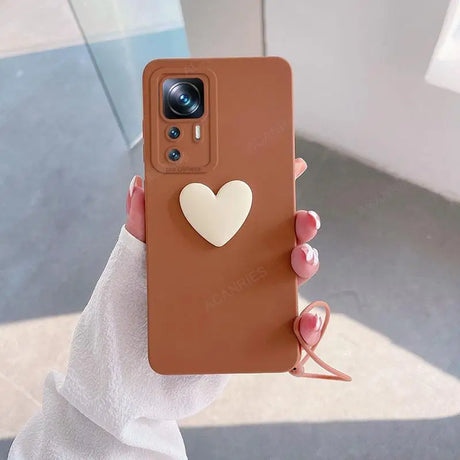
(304, 258)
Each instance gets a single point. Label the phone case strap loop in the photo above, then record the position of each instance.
(299, 369)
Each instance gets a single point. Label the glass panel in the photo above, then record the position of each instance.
(122, 36)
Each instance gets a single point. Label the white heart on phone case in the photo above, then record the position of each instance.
(217, 218)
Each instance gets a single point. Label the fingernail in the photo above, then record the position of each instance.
(308, 251)
(135, 181)
(310, 328)
(319, 323)
(315, 257)
(131, 185)
(317, 219)
(301, 161)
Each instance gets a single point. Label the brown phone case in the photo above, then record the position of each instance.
(227, 309)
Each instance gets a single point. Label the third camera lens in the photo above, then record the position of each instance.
(174, 155)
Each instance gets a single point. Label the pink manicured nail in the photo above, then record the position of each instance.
(315, 257)
(135, 181)
(309, 252)
(131, 185)
(301, 161)
(317, 219)
(310, 328)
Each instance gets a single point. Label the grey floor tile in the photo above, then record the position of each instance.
(5, 445)
(395, 439)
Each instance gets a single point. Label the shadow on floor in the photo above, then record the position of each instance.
(420, 439)
(403, 439)
(389, 252)
(5, 445)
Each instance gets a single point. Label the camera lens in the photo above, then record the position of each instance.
(174, 132)
(183, 98)
(174, 155)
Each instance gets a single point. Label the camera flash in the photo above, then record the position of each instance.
(197, 132)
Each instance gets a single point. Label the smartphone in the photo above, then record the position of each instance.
(220, 206)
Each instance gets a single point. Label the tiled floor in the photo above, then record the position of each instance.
(390, 264)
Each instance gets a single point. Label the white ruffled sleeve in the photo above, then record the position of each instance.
(111, 404)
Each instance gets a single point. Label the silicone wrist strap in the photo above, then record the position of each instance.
(299, 369)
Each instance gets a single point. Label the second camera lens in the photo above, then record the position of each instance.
(174, 132)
